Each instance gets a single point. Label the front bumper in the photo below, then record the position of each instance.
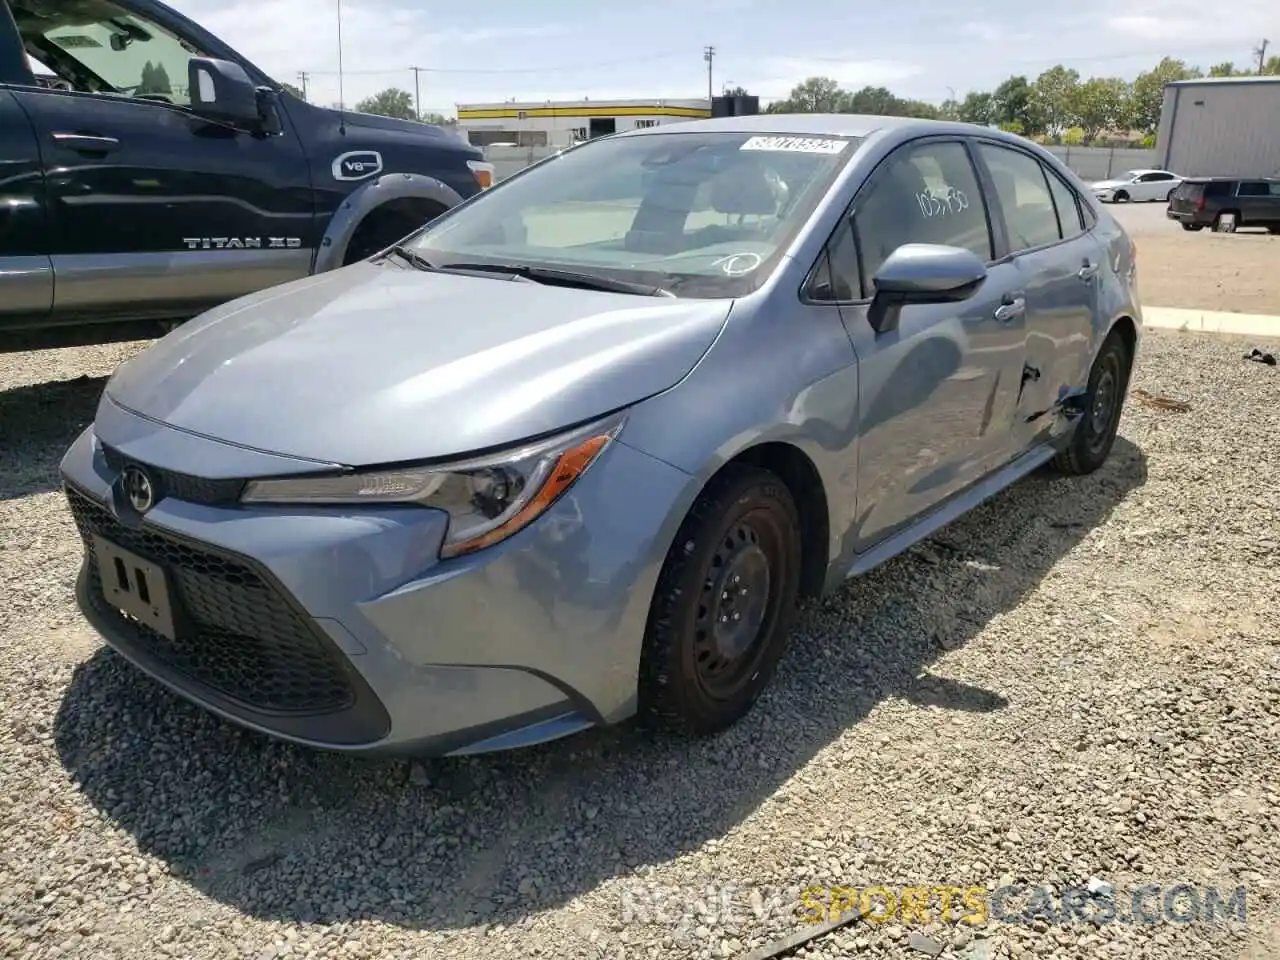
(340, 629)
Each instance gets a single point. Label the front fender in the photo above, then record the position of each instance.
(369, 196)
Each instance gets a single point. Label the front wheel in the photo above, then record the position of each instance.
(1224, 223)
(723, 606)
(1121, 196)
(1095, 432)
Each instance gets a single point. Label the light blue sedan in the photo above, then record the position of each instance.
(573, 451)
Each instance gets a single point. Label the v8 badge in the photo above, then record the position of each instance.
(357, 165)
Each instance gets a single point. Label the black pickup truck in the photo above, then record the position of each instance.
(149, 172)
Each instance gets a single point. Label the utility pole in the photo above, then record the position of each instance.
(709, 55)
(417, 97)
(302, 76)
(1261, 51)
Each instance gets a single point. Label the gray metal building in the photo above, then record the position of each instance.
(1220, 127)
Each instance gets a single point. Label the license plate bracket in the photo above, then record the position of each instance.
(135, 586)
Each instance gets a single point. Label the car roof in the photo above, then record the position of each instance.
(817, 124)
(1231, 179)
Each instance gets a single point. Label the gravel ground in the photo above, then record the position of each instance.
(1201, 271)
(1081, 680)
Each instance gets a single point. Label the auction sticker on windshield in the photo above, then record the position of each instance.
(795, 144)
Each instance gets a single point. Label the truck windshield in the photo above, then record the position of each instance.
(702, 214)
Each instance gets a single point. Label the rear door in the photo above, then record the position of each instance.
(1059, 262)
(26, 273)
(1154, 186)
(1253, 200)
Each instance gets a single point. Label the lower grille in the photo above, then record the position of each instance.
(238, 636)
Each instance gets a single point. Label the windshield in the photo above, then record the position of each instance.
(705, 214)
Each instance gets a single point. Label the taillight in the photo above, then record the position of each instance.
(1200, 202)
(483, 172)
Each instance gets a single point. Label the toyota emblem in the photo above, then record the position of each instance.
(138, 489)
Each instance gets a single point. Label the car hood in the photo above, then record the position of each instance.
(377, 363)
(1108, 184)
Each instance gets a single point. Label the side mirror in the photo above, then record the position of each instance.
(923, 273)
(222, 91)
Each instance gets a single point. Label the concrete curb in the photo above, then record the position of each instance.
(1208, 321)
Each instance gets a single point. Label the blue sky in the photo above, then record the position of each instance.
(567, 49)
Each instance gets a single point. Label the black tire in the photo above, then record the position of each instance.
(1121, 196)
(384, 226)
(692, 682)
(1095, 432)
(1193, 226)
(1224, 226)
(1274, 228)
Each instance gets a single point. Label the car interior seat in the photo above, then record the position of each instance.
(892, 216)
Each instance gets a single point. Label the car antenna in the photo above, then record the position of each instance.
(342, 116)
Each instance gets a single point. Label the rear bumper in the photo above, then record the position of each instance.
(1182, 216)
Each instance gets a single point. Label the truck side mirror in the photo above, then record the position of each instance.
(222, 91)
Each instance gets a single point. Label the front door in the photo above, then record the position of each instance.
(26, 275)
(937, 394)
(1060, 264)
(153, 211)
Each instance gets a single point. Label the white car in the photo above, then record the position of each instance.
(1137, 185)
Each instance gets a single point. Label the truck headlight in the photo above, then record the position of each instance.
(488, 498)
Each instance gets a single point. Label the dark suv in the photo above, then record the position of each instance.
(1226, 203)
(148, 172)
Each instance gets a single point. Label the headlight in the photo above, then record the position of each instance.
(488, 498)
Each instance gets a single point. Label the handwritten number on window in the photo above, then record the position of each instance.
(949, 201)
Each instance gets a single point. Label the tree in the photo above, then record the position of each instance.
(1227, 69)
(1100, 103)
(949, 110)
(1014, 104)
(815, 95)
(1055, 92)
(155, 79)
(439, 119)
(736, 92)
(1147, 96)
(392, 102)
(978, 107)
(1272, 67)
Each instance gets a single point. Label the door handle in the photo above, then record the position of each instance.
(86, 142)
(1087, 271)
(1011, 309)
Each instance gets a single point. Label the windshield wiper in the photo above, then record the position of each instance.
(414, 258)
(568, 278)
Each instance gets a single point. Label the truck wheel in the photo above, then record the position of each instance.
(1225, 223)
(723, 606)
(1193, 226)
(388, 223)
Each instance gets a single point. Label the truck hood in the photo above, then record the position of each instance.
(378, 363)
(372, 121)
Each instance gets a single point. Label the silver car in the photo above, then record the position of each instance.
(573, 451)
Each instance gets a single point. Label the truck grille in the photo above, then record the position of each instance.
(239, 635)
(179, 486)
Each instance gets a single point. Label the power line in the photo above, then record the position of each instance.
(709, 55)
(302, 77)
(508, 71)
(1261, 51)
(417, 93)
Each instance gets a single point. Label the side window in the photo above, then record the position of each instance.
(926, 193)
(1064, 199)
(105, 50)
(1251, 188)
(1274, 188)
(836, 275)
(1024, 196)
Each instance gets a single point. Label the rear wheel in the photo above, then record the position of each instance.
(1225, 223)
(1095, 432)
(724, 605)
(1274, 228)
(1193, 226)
